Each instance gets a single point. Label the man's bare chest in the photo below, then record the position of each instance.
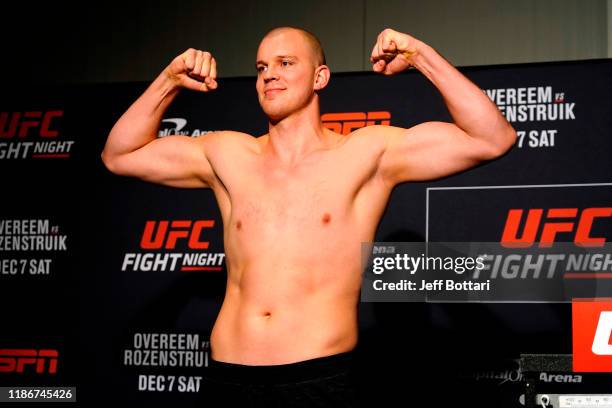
(316, 189)
(298, 195)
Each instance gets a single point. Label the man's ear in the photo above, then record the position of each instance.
(322, 75)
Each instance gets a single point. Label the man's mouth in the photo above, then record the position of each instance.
(272, 91)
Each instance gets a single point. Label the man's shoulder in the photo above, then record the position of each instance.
(374, 135)
(228, 138)
(372, 131)
(229, 135)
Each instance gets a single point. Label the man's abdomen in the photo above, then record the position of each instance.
(266, 322)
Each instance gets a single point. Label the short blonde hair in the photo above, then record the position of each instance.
(312, 39)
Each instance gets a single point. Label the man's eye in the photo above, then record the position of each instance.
(260, 69)
(286, 63)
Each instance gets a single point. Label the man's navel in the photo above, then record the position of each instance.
(326, 219)
(238, 224)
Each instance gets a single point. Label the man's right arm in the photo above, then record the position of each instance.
(133, 148)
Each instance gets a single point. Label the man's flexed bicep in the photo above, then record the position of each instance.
(133, 147)
(429, 151)
(437, 149)
(176, 161)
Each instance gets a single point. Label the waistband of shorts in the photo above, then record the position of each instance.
(316, 368)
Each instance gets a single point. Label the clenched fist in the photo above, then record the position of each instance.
(194, 69)
(393, 52)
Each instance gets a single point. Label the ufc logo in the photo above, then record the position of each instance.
(19, 124)
(15, 360)
(168, 234)
(592, 335)
(558, 220)
(345, 123)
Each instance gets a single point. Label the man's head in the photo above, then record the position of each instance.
(290, 70)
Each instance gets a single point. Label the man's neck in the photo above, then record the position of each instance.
(295, 136)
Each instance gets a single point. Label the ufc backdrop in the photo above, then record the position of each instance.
(112, 284)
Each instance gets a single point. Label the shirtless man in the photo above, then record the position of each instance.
(297, 202)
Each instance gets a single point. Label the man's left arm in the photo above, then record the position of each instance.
(433, 150)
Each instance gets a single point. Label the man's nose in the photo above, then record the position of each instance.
(270, 74)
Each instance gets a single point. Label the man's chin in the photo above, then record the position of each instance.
(275, 115)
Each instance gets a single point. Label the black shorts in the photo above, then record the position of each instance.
(321, 382)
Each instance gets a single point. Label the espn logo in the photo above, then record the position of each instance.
(18, 124)
(168, 234)
(558, 220)
(592, 335)
(15, 360)
(345, 123)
